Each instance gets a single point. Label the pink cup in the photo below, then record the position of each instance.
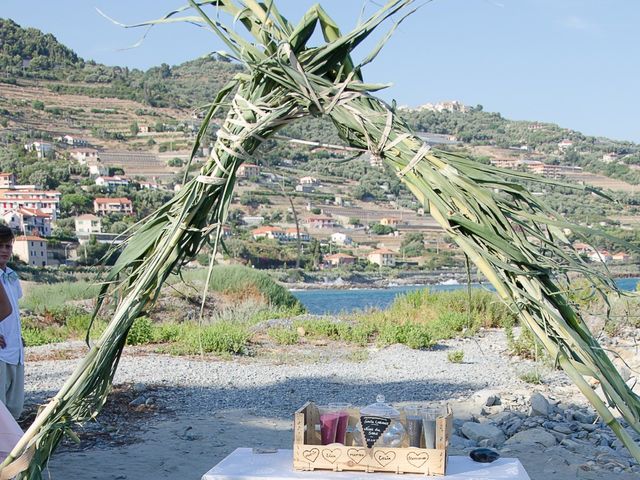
(341, 431)
(328, 427)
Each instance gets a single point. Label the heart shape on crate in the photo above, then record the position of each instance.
(384, 458)
(331, 455)
(356, 455)
(311, 455)
(417, 459)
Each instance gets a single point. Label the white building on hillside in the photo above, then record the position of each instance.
(42, 149)
(7, 180)
(29, 221)
(112, 183)
(83, 155)
(88, 223)
(340, 238)
(47, 201)
(31, 249)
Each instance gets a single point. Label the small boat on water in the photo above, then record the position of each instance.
(451, 281)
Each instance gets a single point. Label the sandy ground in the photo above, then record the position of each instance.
(186, 448)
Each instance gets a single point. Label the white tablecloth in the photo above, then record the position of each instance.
(245, 464)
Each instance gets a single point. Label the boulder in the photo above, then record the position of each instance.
(533, 436)
(483, 431)
(539, 405)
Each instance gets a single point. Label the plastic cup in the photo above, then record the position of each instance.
(338, 414)
(414, 425)
(328, 425)
(429, 418)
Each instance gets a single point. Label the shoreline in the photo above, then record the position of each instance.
(386, 284)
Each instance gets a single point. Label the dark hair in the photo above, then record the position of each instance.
(6, 234)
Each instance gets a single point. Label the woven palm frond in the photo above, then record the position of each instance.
(516, 241)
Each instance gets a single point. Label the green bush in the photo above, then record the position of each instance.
(77, 323)
(449, 324)
(53, 296)
(457, 356)
(531, 376)
(221, 337)
(240, 280)
(526, 345)
(37, 336)
(141, 332)
(411, 334)
(166, 332)
(283, 336)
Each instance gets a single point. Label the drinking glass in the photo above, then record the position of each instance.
(414, 425)
(328, 425)
(342, 410)
(429, 417)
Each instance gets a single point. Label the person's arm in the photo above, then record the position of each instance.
(5, 310)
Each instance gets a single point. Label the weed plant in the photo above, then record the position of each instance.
(457, 356)
(243, 282)
(44, 297)
(284, 336)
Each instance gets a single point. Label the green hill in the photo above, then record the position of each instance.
(33, 50)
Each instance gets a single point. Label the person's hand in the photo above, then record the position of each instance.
(2, 342)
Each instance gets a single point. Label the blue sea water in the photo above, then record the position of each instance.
(327, 301)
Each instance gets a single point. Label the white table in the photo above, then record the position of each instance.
(245, 464)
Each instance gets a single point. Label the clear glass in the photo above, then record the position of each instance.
(413, 415)
(342, 410)
(429, 417)
(393, 434)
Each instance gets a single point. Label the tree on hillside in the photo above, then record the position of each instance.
(412, 244)
(74, 204)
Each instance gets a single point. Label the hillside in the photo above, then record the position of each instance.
(47, 92)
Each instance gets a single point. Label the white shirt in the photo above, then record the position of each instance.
(10, 327)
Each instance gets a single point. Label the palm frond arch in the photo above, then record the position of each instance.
(516, 241)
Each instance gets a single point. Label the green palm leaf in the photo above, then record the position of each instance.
(513, 238)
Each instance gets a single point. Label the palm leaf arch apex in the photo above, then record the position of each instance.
(513, 238)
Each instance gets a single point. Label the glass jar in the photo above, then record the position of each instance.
(379, 426)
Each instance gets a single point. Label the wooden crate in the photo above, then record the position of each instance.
(310, 454)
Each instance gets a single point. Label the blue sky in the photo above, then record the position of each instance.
(570, 62)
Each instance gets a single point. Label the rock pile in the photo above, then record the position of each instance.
(573, 433)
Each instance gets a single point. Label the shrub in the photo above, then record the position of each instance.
(243, 281)
(221, 337)
(457, 356)
(77, 323)
(56, 295)
(141, 332)
(284, 336)
(167, 332)
(34, 336)
(449, 324)
(526, 345)
(531, 376)
(411, 334)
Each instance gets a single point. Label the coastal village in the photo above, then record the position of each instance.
(342, 226)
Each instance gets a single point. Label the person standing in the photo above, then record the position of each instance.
(11, 345)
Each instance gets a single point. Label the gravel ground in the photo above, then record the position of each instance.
(175, 417)
(265, 384)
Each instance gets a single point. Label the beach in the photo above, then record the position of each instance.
(176, 417)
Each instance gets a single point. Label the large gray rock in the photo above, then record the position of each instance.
(539, 405)
(532, 437)
(584, 417)
(483, 431)
(457, 441)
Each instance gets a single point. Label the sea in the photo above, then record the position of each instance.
(333, 301)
